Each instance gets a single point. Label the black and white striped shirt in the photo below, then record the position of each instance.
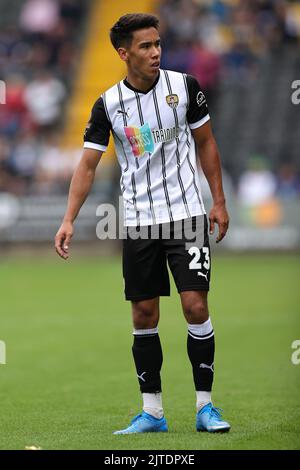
(154, 146)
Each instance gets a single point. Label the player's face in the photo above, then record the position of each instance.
(143, 55)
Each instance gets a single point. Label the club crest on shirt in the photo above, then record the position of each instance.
(172, 101)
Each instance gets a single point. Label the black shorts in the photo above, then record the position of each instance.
(184, 245)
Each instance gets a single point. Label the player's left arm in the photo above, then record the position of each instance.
(211, 166)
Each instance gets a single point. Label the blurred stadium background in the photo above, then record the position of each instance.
(55, 60)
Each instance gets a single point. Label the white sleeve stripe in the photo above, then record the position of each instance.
(91, 145)
(200, 123)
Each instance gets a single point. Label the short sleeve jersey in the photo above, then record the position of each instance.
(154, 145)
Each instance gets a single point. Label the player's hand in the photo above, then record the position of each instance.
(219, 215)
(63, 238)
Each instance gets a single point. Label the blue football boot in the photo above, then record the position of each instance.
(209, 419)
(145, 423)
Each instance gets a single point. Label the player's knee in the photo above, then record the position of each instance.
(145, 315)
(196, 312)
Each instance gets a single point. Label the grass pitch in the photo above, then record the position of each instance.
(69, 381)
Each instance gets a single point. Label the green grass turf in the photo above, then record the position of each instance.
(69, 381)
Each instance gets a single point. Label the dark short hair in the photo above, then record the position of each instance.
(121, 33)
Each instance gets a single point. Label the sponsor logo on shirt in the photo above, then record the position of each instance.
(165, 135)
(200, 98)
(142, 139)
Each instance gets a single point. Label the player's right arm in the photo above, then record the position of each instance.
(80, 187)
(96, 138)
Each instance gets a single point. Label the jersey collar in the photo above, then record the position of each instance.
(126, 83)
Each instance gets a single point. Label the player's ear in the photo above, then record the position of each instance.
(122, 53)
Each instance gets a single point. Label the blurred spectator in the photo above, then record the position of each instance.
(239, 64)
(178, 58)
(23, 159)
(257, 184)
(14, 52)
(44, 98)
(14, 115)
(205, 66)
(39, 16)
(288, 182)
(54, 169)
(4, 151)
(71, 12)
